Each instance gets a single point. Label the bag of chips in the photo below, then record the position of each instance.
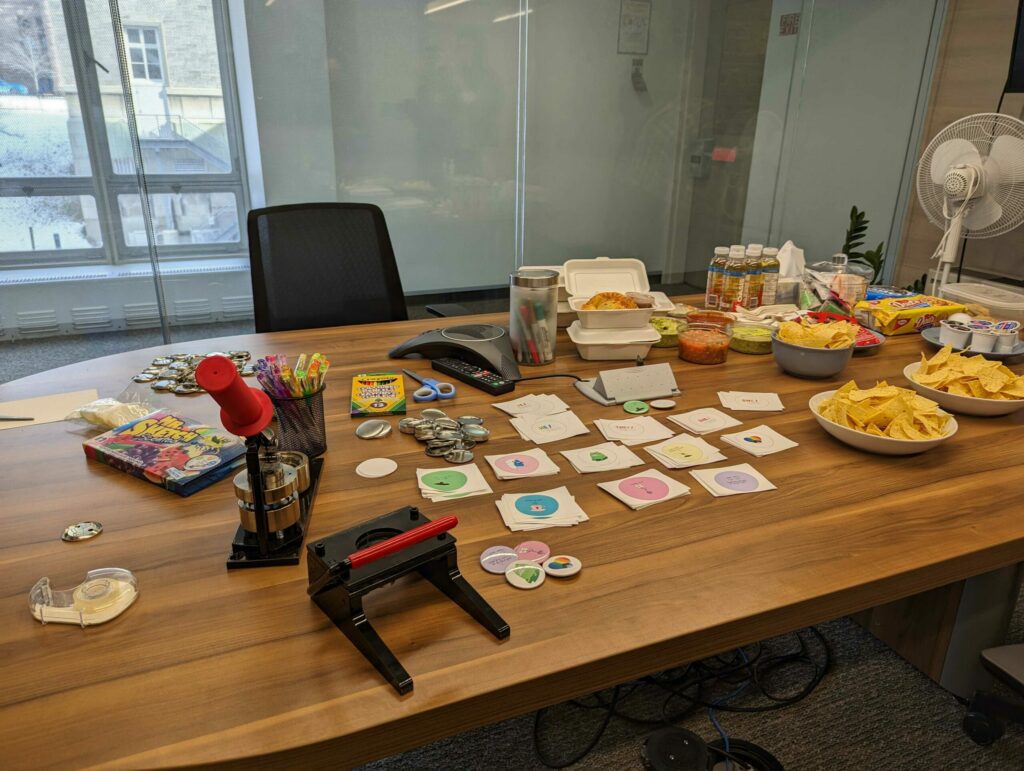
(904, 315)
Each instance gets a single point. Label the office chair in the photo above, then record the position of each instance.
(323, 265)
(987, 711)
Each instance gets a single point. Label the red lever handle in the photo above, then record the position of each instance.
(401, 541)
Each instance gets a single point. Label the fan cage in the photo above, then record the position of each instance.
(981, 130)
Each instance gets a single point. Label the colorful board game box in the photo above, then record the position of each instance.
(178, 454)
(378, 393)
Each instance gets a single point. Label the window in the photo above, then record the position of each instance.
(69, 191)
(144, 53)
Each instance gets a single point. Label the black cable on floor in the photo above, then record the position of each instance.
(745, 672)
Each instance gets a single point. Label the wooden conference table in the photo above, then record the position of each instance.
(212, 666)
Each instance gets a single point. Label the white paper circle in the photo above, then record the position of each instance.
(376, 467)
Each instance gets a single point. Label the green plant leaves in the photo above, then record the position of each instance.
(855, 235)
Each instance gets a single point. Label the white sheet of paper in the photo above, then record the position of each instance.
(704, 421)
(684, 451)
(549, 428)
(732, 480)
(748, 400)
(608, 456)
(45, 409)
(633, 431)
(525, 463)
(645, 488)
(759, 441)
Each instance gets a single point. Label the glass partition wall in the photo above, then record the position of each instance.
(135, 136)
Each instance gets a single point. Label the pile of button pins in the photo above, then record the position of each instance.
(450, 438)
(528, 564)
(177, 372)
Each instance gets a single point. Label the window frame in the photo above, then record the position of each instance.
(104, 184)
(143, 46)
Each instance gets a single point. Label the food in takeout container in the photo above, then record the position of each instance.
(885, 419)
(704, 343)
(752, 338)
(668, 328)
(904, 315)
(612, 344)
(612, 294)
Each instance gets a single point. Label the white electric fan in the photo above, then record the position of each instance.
(970, 182)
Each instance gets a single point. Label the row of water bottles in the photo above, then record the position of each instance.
(742, 277)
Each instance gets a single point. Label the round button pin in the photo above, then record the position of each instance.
(496, 559)
(562, 566)
(81, 531)
(432, 413)
(374, 468)
(635, 407)
(525, 574)
(537, 551)
(663, 404)
(373, 429)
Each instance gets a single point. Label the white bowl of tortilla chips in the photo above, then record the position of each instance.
(969, 385)
(885, 419)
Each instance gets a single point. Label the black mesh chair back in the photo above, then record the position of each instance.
(322, 265)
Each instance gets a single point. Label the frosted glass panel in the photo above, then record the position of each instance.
(601, 142)
(414, 111)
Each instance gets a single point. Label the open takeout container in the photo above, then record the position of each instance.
(586, 278)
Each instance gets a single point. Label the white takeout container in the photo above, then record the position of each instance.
(1003, 302)
(613, 344)
(586, 278)
(965, 405)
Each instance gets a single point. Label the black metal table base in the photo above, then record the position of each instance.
(286, 545)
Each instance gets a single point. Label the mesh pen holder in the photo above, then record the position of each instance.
(300, 423)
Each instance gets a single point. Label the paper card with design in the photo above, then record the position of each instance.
(442, 484)
(684, 451)
(747, 400)
(645, 488)
(732, 480)
(759, 441)
(549, 428)
(533, 511)
(633, 431)
(608, 456)
(527, 463)
(533, 404)
(704, 421)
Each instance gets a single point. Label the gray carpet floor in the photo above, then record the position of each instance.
(872, 711)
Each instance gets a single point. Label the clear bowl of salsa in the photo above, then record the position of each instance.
(704, 343)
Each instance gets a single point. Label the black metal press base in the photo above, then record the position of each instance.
(342, 597)
(286, 546)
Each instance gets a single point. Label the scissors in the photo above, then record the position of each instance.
(431, 389)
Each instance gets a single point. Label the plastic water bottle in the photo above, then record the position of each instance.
(770, 267)
(716, 277)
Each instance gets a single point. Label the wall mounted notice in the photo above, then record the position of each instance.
(634, 26)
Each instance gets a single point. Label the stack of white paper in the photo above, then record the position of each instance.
(645, 488)
(684, 451)
(528, 463)
(634, 430)
(746, 400)
(602, 457)
(732, 480)
(534, 511)
(704, 421)
(759, 441)
(442, 484)
(548, 428)
(533, 404)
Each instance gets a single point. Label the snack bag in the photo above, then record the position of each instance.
(905, 315)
